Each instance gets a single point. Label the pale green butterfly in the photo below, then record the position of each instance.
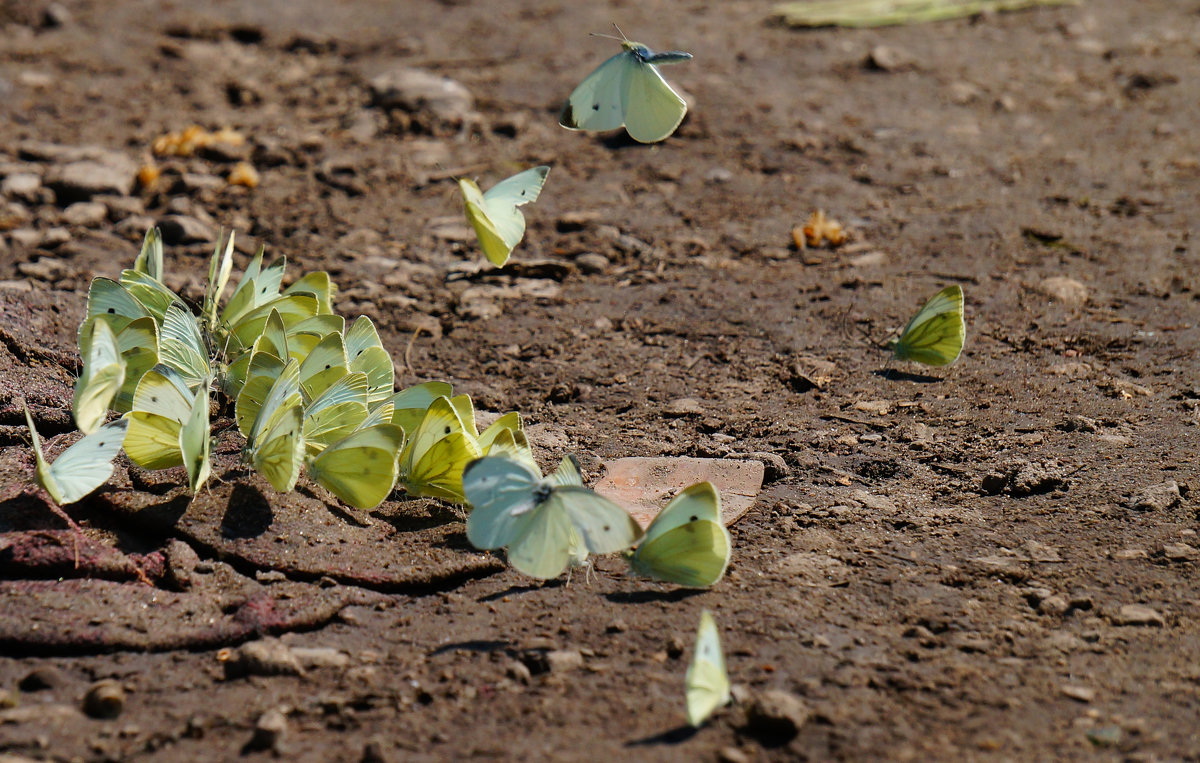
(686, 543)
(150, 259)
(81, 468)
(707, 683)
(161, 405)
(194, 443)
(628, 90)
(935, 335)
(366, 354)
(102, 376)
(138, 345)
(337, 412)
(275, 442)
(151, 293)
(318, 284)
(263, 371)
(181, 346)
(219, 268)
(323, 366)
(114, 303)
(515, 507)
(495, 216)
(437, 451)
(361, 468)
(411, 403)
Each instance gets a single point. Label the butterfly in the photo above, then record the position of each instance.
(181, 346)
(495, 216)
(437, 451)
(706, 682)
(337, 412)
(102, 376)
(686, 543)
(360, 468)
(935, 335)
(81, 468)
(275, 441)
(367, 355)
(169, 426)
(515, 507)
(628, 90)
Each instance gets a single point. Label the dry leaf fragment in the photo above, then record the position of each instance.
(819, 230)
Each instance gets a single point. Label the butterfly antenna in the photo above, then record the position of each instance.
(622, 38)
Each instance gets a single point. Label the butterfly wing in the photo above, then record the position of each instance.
(110, 299)
(541, 547)
(194, 443)
(102, 377)
(686, 543)
(936, 334)
(598, 103)
(410, 404)
(87, 464)
(361, 468)
(278, 452)
(652, 109)
(568, 472)
(323, 366)
(604, 526)
(707, 682)
(138, 344)
(500, 492)
(181, 347)
(500, 207)
(336, 413)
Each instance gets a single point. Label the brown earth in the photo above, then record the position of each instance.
(990, 561)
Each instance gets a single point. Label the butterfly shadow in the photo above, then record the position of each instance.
(513, 590)
(643, 597)
(248, 513)
(892, 374)
(483, 646)
(677, 735)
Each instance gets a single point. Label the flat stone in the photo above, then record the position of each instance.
(85, 213)
(420, 91)
(80, 181)
(1137, 614)
(641, 485)
(23, 186)
(1078, 693)
(1066, 291)
(684, 406)
(185, 229)
(1160, 497)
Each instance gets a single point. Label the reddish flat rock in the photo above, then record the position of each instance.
(642, 485)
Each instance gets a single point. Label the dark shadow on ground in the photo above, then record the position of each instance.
(641, 597)
(248, 513)
(894, 375)
(478, 645)
(676, 735)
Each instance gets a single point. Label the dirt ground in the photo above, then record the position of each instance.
(996, 560)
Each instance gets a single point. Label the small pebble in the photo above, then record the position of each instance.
(1078, 693)
(105, 699)
(270, 732)
(775, 716)
(41, 679)
(1137, 614)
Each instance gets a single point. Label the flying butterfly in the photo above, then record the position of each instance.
(628, 90)
(495, 215)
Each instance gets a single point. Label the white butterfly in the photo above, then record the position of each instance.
(628, 90)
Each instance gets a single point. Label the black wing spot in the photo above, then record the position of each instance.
(101, 443)
(154, 398)
(595, 107)
(607, 528)
(694, 518)
(112, 311)
(448, 429)
(328, 366)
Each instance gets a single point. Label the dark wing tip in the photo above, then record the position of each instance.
(567, 117)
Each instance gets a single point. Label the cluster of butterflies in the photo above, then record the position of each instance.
(310, 393)
(307, 390)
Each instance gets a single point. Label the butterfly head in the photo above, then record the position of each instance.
(542, 492)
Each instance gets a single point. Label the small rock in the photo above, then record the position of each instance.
(808, 373)
(1067, 291)
(184, 229)
(1137, 614)
(592, 262)
(54, 16)
(718, 175)
(181, 561)
(1105, 736)
(617, 626)
(23, 186)
(775, 716)
(887, 59)
(674, 647)
(80, 181)
(270, 731)
(320, 657)
(684, 406)
(732, 755)
(962, 93)
(265, 657)
(774, 467)
(1054, 605)
(85, 213)
(563, 660)
(1179, 552)
(55, 237)
(105, 699)
(1160, 497)
(41, 679)
(876, 407)
(518, 671)
(14, 215)
(1078, 693)
(375, 752)
(417, 91)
